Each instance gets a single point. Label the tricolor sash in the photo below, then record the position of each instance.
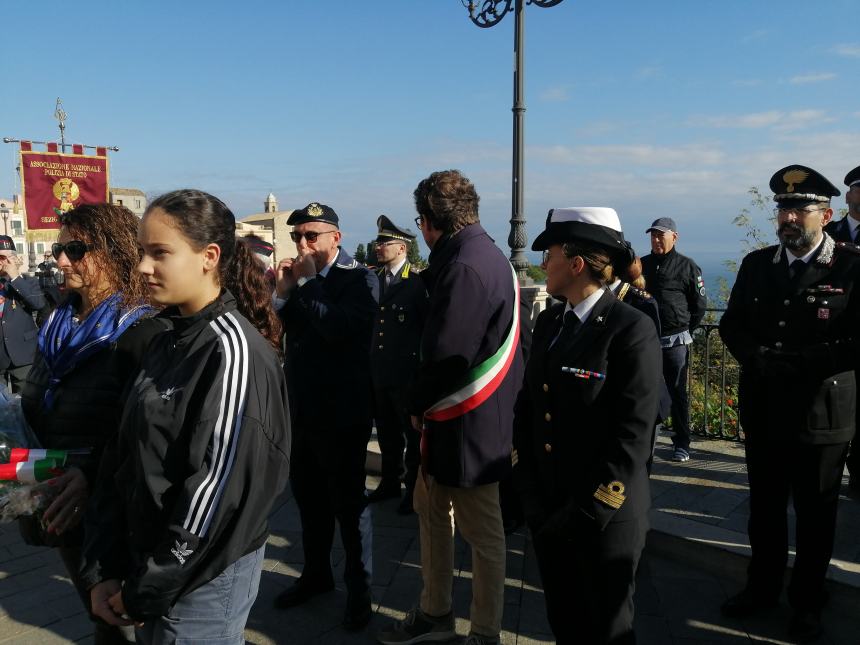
(480, 382)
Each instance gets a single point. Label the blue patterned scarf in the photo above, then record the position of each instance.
(64, 344)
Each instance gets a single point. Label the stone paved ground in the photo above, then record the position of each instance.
(682, 581)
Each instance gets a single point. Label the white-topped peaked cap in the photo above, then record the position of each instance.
(596, 224)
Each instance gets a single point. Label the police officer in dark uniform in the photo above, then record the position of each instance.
(20, 299)
(847, 229)
(582, 430)
(327, 302)
(394, 359)
(792, 322)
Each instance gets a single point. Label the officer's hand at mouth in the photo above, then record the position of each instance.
(304, 266)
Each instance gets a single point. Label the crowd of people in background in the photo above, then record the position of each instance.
(204, 379)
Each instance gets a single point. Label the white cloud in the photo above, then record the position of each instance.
(775, 119)
(627, 155)
(557, 94)
(805, 79)
(649, 73)
(747, 82)
(851, 50)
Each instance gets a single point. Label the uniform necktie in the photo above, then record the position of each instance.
(388, 277)
(568, 328)
(320, 277)
(797, 268)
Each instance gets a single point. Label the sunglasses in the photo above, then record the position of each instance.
(310, 236)
(74, 250)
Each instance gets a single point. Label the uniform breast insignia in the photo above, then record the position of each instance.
(612, 494)
(825, 289)
(700, 285)
(823, 313)
(515, 457)
(581, 373)
(401, 317)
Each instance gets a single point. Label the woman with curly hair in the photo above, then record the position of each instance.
(89, 349)
(202, 451)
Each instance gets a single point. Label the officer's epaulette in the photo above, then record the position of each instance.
(640, 292)
(351, 265)
(848, 246)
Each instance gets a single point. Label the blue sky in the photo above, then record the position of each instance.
(654, 108)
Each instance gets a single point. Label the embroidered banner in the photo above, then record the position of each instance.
(54, 183)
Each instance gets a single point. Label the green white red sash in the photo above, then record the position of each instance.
(483, 380)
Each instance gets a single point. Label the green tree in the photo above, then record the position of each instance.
(536, 273)
(371, 260)
(413, 255)
(360, 254)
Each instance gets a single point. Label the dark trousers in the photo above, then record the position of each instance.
(327, 479)
(812, 475)
(854, 460)
(675, 362)
(15, 377)
(588, 580)
(395, 432)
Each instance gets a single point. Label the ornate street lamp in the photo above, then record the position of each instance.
(490, 14)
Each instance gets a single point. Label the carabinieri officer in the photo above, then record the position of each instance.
(582, 430)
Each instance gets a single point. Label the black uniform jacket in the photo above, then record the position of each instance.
(840, 229)
(797, 343)
(201, 456)
(472, 300)
(676, 283)
(23, 299)
(397, 328)
(328, 325)
(582, 442)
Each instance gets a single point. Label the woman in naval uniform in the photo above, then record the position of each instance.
(583, 427)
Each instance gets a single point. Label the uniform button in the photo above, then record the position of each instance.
(545, 387)
(547, 447)
(380, 333)
(380, 346)
(781, 323)
(823, 302)
(778, 345)
(787, 302)
(382, 321)
(547, 416)
(382, 309)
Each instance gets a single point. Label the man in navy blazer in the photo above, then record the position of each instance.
(20, 298)
(462, 401)
(327, 301)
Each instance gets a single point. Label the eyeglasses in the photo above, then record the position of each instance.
(386, 243)
(74, 250)
(800, 212)
(418, 221)
(310, 236)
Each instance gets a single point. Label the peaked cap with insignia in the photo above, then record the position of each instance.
(388, 230)
(798, 185)
(313, 212)
(6, 243)
(596, 225)
(853, 178)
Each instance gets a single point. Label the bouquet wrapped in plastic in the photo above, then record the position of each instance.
(24, 465)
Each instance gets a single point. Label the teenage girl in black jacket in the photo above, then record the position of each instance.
(175, 537)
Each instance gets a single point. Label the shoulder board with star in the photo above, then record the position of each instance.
(640, 292)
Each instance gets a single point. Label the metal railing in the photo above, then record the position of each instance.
(713, 384)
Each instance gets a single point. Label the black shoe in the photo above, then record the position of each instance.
(358, 611)
(805, 626)
(387, 489)
(301, 591)
(747, 603)
(405, 506)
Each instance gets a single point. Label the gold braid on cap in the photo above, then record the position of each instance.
(811, 196)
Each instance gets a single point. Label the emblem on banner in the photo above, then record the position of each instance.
(67, 192)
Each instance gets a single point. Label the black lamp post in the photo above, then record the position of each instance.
(491, 13)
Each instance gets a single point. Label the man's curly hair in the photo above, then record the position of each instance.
(447, 200)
